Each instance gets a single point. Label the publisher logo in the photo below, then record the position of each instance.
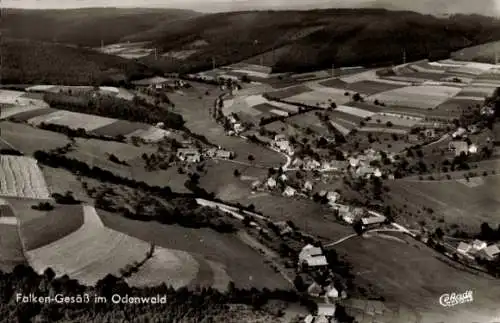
(453, 299)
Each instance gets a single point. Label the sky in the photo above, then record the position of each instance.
(490, 7)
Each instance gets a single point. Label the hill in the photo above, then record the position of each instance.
(88, 26)
(316, 39)
(302, 40)
(37, 62)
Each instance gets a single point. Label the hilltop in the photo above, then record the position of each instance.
(290, 41)
(37, 62)
(88, 26)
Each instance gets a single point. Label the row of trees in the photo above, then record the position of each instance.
(113, 107)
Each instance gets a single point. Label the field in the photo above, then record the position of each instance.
(219, 179)
(120, 127)
(28, 139)
(309, 216)
(151, 134)
(61, 181)
(72, 120)
(481, 53)
(321, 98)
(413, 277)
(453, 200)
(49, 226)
(396, 120)
(11, 252)
(288, 92)
(370, 87)
(21, 177)
(101, 149)
(307, 120)
(425, 97)
(245, 267)
(354, 111)
(14, 110)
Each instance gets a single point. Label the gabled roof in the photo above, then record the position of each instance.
(492, 250)
(463, 247)
(326, 309)
(316, 261)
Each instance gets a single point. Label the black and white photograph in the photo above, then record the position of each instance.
(250, 161)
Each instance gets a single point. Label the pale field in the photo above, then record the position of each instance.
(173, 267)
(279, 112)
(424, 97)
(89, 253)
(241, 104)
(252, 73)
(180, 54)
(284, 106)
(354, 111)
(152, 134)
(10, 97)
(477, 98)
(61, 181)
(7, 112)
(254, 100)
(320, 97)
(40, 88)
(73, 120)
(21, 177)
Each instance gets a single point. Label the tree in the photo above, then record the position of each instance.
(251, 158)
(439, 233)
(236, 173)
(299, 283)
(389, 124)
(358, 227)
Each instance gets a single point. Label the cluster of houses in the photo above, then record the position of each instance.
(361, 164)
(281, 143)
(160, 83)
(236, 126)
(479, 249)
(195, 155)
(313, 259)
(310, 164)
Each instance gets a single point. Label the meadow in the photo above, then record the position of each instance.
(425, 97)
(241, 263)
(453, 200)
(73, 120)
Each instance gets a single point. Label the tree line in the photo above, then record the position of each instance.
(113, 107)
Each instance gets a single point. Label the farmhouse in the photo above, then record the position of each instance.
(463, 248)
(308, 186)
(478, 245)
(489, 253)
(224, 154)
(156, 82)
(332, 294)
(373, 220)
(312, 257)
(189, 155)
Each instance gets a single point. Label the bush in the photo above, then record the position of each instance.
(43, 206)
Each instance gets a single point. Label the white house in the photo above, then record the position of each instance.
(316, 261)
(478, 245)
(309, 251)
(463, 248)
(283, 177)
(459, 147)
(332, 294)
(271, 183)
(490, 252)
(308, 186)
(332, 196)
(373, 220)
(473, 149)
(354, 162)
(289, 191)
